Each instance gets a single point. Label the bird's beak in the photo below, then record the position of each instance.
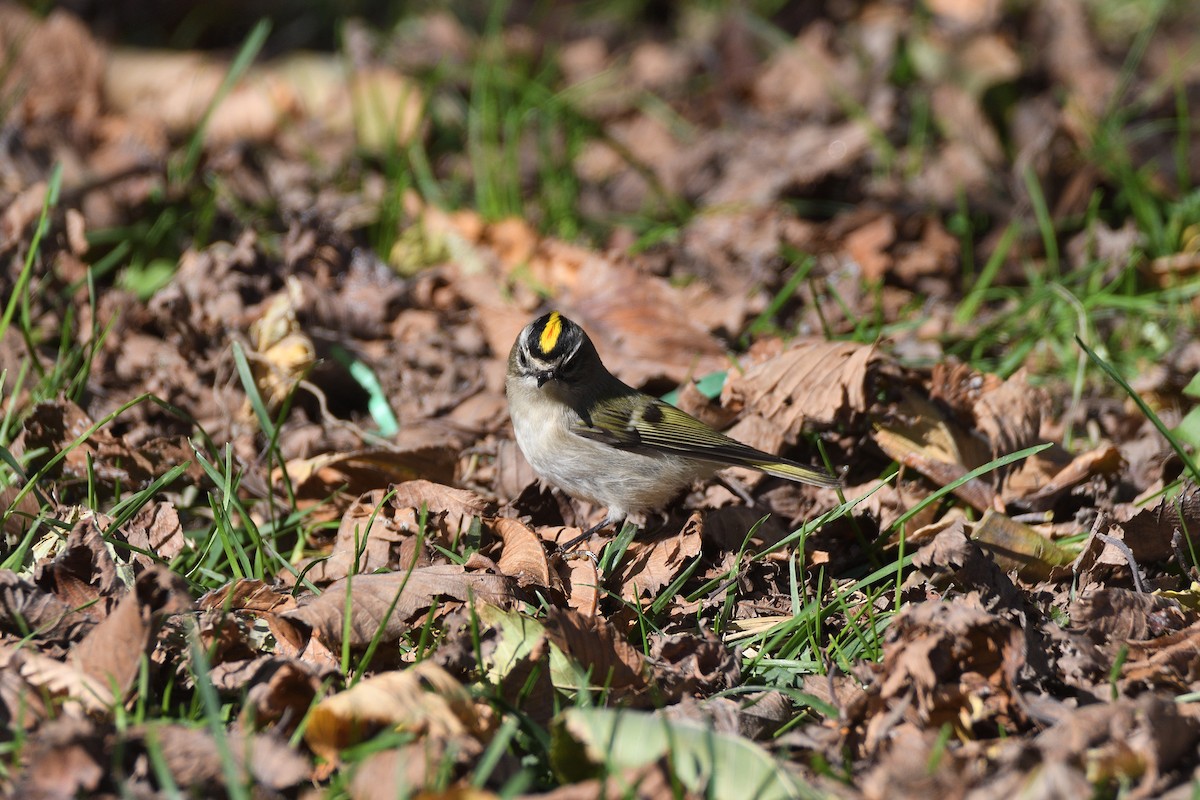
(543, 377)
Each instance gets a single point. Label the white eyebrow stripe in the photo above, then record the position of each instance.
(574, 350)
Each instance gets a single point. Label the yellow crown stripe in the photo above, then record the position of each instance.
(551, 332)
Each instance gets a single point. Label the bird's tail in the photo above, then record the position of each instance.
(792, 471)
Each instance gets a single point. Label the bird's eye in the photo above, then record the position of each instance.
(523, 359)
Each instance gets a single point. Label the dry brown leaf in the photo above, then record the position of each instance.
(40, 89)
(1116, 615)
(767, 163)
(296, 641)
(1061, 34)
(914, 766)
(246, 594)
(459, 505)
(378, 531)
(27, 609)
(401, 771)
(919, 435)
(83, 572)
(351, 474)
(406, 595)
(950, 559)
(523, 556)
(17, 519)
(868, 246)
(1011, 415)
(1105, 460)
(155, 529)
(283, 353)
(112, 652)
(102, 458)
(961, 389)
(1147, 533)
(55, 679)
(812, 384)
(423, 699)
(957, 664)
(1137, 742)
(936, 254)
(21, 704)
(806, 77)
(22, 211)
(583, 584)
(694, 665)
(610, 660)
(63, 759)
(1167, 662)
(195, 761)
(175, 89)
(279, 695)
(649, 565)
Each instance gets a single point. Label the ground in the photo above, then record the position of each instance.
(267, 532)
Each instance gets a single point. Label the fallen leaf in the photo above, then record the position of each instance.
(196, 762)
(64, 758)
(156, 529)
(28, 610)
(112, 652)
(919, 436)
(651, 564)
(602, 652)
(283, 353)
(348, 475)
(523, 556)
(424, 700)
(386, 604)
(812, 384)
(1018, 547)
(707, 763)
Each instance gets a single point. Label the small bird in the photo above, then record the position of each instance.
(599, 439)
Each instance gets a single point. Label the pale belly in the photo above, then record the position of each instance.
(625, 482)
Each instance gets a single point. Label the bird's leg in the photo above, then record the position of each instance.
(734, 485)
(583, 537)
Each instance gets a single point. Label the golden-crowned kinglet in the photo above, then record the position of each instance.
(600, 440)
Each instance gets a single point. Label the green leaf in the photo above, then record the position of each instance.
(707, 763)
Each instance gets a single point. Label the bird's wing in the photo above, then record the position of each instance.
(657, 427)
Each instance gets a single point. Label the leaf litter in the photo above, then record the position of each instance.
(328, 570)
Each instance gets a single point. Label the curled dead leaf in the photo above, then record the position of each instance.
(523, 556)
(955, 664)
(605, 655)
(378, 531)
(112, 652)
(351, 474)
(1017, 547)
(386, 604)
(283, 353)
(919, 435)
(812, 384)
(423, 699)
(651, 564)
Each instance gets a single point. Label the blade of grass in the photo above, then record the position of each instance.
(1170, 436)
(241, 62)
(19, 294)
